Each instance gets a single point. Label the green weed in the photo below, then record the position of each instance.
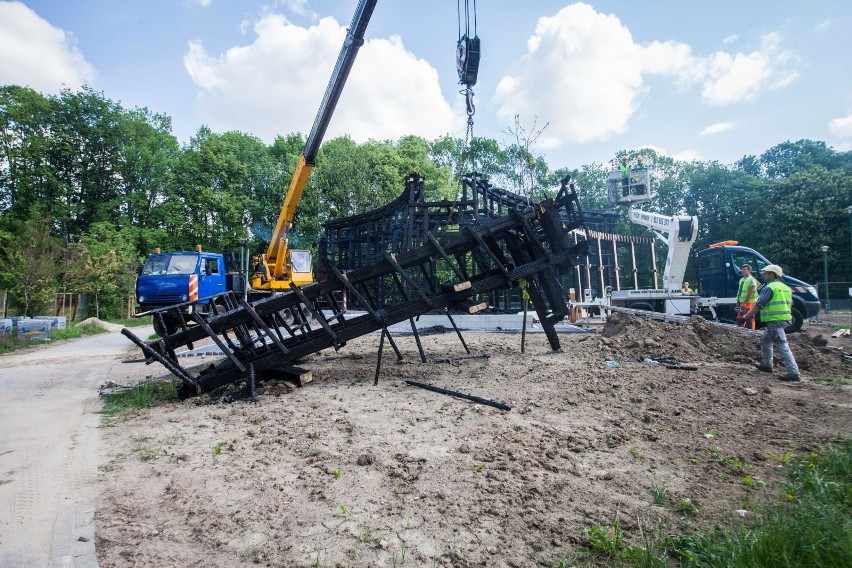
(637, 453)
(609, 542)
(686, 506)
(403, 552)
(142, 396)
(660, 495)
(477, 467)
(217, 449)
(780, 458)
(831, 380)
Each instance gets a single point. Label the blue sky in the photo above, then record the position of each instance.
(694, 80)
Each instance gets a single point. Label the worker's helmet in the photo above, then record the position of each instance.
(624, 158)
(774, 269)
(638, 158)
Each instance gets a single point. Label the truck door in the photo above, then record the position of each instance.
(711, 273)
(211, 281)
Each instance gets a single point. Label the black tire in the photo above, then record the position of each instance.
(798, 319)
(641, 306)
(292, 315)
(171, 326)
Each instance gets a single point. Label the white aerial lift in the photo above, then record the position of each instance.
(678, 232)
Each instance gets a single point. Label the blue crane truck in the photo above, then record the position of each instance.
(175, 277)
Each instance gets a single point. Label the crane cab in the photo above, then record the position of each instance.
(632, 190)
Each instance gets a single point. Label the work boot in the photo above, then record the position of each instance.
(762, 367)
(790, 378)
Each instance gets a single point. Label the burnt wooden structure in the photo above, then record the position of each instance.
(361, 240)
(504, 242)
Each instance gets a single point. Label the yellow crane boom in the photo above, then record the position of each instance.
(281, 266)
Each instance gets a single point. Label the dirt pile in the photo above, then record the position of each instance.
(105, 325)
(699, 340)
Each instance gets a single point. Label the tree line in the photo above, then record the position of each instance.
(88, 188)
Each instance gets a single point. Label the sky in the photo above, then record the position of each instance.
(713, 80)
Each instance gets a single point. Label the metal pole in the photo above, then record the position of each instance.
(849, 210)
(824, 249)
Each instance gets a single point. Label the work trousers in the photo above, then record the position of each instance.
(743, 322)
(775, 332)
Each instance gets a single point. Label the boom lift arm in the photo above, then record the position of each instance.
(276, 272)
(678, 232)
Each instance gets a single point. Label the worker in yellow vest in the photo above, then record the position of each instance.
(624, 168)
(746, 295)
(775, 302)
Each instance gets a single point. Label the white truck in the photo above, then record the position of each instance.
(718, 267)
(678, 232)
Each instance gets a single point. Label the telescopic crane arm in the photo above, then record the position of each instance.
(276, 254)
(678, 232)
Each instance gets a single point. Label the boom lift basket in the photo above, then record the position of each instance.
(633, 190)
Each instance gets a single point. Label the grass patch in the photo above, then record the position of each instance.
(75, 331)
(808, 524)
(833, 381)
(134, 322)
(142, 396)
(8, 343)
(660, 495)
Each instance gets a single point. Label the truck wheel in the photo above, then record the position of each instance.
(292, 316)
(798, 319)
(170, 326)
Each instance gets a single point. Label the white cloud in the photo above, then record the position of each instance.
(202, 3)
(742, 76)
(716, 128)
(823, 26)
(35, 54)
(274, 85)
(841, 127)
(297, 6)
(585, 74)
(683, 156)
(686, 156)
(581, 71)
(730, 39)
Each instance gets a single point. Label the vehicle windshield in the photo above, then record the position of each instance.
(757, 262)
(301, 260)
(169, 264)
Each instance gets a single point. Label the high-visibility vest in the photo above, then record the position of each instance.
(625, 170)
(779, 307)
(743, 296)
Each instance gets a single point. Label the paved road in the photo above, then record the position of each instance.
(49, 447)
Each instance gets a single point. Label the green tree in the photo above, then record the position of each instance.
(803, 212)
(104, 264)
(29, 256)
(24, 117)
